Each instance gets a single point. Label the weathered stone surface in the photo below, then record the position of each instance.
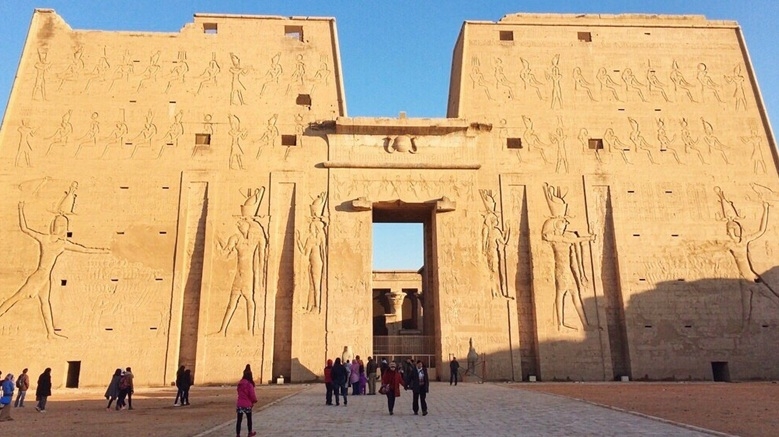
(600, 202)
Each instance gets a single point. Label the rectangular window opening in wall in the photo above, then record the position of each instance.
(166, 188)
(595, 143)
(647, 326)
(585, 36)
(69, 234)
(303, 100)
(163, 232)
(294, 32)
(64, 282)
(688, 326)
(114, 279)
(720, 371)
(119, 232)
(631, 191)
(202, 139)
(513, 143)
(153, 328)
(74, 370)
(289, 140)
(209, 28)
(124, 188)
(674, 235)
(506, 35)
(109, 329)
(636, 235)
(158, 279)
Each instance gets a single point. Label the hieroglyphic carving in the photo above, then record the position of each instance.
(38, 284)
(639, 141)
(314, 249)
(25, 146)
(175, 130)
(298, 76)
(61, 135)
(123, 70)
(584, 140)
(67, 204)
(401, 143)
(558, 140)
(494, 237)
(570, 273)
(208, 77)
(712, 141)
(100, 72)
(146, 135)
(117, 135)
(74, 69)
(274, 72)
(739, 95)
(477, 78)
(613, 142)
(179, 72)
(268, 138)
(299, 130)
(707, 83)
(581, 84)
(41, 67)
(322, 74)
(501, 81)
(554, 76)
(236, 86)
(250, 245)
(90, 138)
(236, 150)
(738, 247)
(680, 83)
(606, 82)
(757, 148)
(690, 143)
(150, 73)
(632, 84)
(529, 78)
(665, 141)
(532, 139)
(655, 86)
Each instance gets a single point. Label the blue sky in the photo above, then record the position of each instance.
(396, 55)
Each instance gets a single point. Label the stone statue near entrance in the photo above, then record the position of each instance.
(569, 271)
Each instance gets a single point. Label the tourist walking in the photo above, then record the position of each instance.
(124, 386)
(371, 368)
(179, 375)
(22, 383)
(340, 380)
(454, 368)
(420, 386)
(43, 390)
(329, 383)
(246, 400)
(186, 383)
(128, 375)
(112, 392)
(390, 385)
(8, 395)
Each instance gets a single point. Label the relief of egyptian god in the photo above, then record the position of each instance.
(568, 247)
(314, 249)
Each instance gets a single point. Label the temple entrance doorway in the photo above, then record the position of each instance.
(401, 282)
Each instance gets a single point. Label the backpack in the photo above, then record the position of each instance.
(124, 383)
(19, 383)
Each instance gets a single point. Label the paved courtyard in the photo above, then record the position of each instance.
(464, 410)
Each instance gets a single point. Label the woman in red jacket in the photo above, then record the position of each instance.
(393, 380)
(246, 400)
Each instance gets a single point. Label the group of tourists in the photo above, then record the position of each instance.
(183, 383)
(121, 389)
(340, 374)
(10, 384)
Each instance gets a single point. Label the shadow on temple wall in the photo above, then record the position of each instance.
(708, 329)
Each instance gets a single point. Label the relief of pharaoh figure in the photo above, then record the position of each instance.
(569, 270)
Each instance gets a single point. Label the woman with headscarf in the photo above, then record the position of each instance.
(391, 382)
(43, 391)
(112, 392)
(340, 380)
(8, 395)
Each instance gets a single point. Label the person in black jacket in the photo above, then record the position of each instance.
(340, 380)
(179, 375)
(419, 383)
(186, 383)
(43, 391)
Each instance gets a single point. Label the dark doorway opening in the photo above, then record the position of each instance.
(74, 370)
(720, 371)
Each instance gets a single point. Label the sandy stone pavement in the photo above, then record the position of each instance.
(744, 409)
(83, 412)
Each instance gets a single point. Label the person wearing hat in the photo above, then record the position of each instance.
(391, 382)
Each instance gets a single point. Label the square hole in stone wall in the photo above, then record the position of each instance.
(595, 143)
(209, 28)
(513, 143)
(294, 32)
(584, 36)
(289, 140)
(506, 35)
(303, 100)
(203, 139)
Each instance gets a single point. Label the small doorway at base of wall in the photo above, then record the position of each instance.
(74, 370)
(720, 371)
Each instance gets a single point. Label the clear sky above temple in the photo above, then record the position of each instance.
(396, 55)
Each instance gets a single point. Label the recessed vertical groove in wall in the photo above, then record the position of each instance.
(194, 240)
(528, 335)
(285, 228)
(615, 314)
